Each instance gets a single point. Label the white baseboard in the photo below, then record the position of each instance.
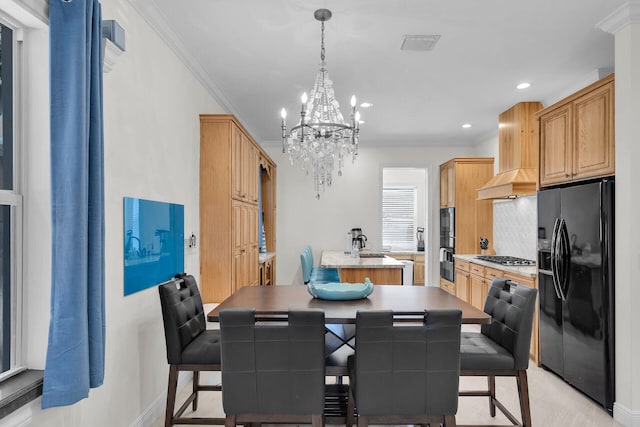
(157, 408)
(626, 416)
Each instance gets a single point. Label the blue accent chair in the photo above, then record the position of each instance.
(316, 274)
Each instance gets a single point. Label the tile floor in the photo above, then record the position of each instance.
(553, 403)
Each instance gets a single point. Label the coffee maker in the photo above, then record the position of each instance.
(420, 237)
(358, 240)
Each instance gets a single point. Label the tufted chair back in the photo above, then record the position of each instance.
(511, 308)
(272, 368)
(406, 370)
(183, 315)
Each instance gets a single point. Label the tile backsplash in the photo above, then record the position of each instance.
(515, 227)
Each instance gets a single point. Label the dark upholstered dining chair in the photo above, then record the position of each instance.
(190, 346)
(405, 373)
(502, 347)
(273, 372)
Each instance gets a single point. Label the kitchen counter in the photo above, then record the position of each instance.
(338, 259)
(526, 271)
(392, 253)
(381, 271)
(265, 256)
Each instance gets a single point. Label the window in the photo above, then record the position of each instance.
(399, 218)
(10, 210)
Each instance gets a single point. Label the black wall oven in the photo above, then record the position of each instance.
(447, 243)
(447, 228)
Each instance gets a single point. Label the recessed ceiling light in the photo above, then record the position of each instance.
(361, 122)
(523, 85)
(366, 105)
(466, 125)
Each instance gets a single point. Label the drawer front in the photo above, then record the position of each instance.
(462, 265)
(492, 273)
(448, 286)
(477, 269)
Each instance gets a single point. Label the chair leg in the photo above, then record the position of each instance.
(230, 421)
(317, 420)
(449, 421)
(350, 408)
(492, 395)
(196, 384)
(363, 421)
(523, 392)
(171, 395)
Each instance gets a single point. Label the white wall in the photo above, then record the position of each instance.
(627, 251)
(151, 108)
(352, 201)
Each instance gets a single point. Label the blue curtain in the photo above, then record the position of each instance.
(75, 352)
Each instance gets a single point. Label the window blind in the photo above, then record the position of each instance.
(399, 217)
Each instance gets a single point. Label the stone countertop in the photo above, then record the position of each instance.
(266, 256)
(338, 259)
(527, 271)
(392, 253)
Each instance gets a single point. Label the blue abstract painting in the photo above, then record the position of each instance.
(153, 243)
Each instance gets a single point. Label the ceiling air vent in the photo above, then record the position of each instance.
(419, 42)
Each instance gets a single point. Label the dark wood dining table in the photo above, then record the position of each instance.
(408, 302)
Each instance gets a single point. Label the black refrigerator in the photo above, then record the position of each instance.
(576, 284)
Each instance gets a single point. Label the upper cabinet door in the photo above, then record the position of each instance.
(443, 186)
(447, 185)
(593, 134)
(556, 146)
(577, 136)
(237, 161)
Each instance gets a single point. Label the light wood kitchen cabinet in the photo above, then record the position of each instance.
(245, 167)
(480, 278)
(479, 289)
(418, 264)
(448, 286)
(462, 280)
(577, 136)
(230, 178)
(473, 217)
(447, 185)
(517, 137)
(418, 270)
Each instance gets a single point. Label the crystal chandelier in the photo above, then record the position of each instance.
(322, 137)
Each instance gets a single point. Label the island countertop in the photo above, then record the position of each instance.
(338, 259)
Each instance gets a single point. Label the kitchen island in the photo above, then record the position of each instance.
(382, 270)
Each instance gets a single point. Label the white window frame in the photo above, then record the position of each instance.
(14, 198)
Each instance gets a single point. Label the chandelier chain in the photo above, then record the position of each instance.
(322, 42)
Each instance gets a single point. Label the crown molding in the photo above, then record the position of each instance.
(625, 15)
(149, 11)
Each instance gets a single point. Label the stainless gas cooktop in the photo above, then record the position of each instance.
(506, 260)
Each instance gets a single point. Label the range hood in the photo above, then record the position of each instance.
(510, 184)
(517, 154)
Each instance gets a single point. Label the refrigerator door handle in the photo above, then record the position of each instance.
(554, 257)
(564, 259)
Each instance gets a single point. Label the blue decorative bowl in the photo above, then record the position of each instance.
(341, 291)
